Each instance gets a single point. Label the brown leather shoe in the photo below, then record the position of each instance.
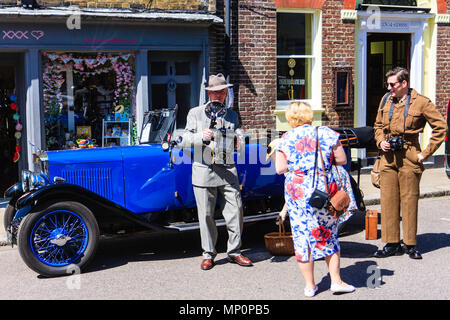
(240, 260)
(207, 264)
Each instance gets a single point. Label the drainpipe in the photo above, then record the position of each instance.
(227, 48)
(227, 39)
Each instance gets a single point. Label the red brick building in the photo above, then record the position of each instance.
(331, 53)
(341, 50)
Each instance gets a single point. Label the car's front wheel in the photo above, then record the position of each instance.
(8, 216)
(59, 240)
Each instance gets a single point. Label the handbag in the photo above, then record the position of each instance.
(375, 173)
(340, 201)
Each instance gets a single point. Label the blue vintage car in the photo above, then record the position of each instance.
(57, 215)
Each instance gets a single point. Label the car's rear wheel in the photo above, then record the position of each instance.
(59, 240)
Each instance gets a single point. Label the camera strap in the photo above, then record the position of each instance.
(405, 114)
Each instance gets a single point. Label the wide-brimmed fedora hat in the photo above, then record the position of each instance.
(217, 82)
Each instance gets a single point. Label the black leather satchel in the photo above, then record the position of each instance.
(318, 199)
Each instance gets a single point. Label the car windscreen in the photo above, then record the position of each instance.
(157, 125)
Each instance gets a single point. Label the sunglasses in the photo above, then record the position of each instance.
(391, 84)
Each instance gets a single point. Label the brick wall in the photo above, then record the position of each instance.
(253, 43)
(338, 45)
(443, 66)
(217, 39)
(253, 62)
(189, 5)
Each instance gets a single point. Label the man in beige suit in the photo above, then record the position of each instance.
(211, 130)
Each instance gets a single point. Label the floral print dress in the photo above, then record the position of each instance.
(313, 230)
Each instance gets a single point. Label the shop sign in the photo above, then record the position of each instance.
(394, 25)
(297, 82)
(22, 34)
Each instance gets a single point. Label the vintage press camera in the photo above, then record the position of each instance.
(225, 142)
(396, 143)
(214, 109)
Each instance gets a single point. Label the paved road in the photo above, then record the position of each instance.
(161, 266)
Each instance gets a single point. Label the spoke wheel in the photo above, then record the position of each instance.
(57, 238)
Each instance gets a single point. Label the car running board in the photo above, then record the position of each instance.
(221, 222)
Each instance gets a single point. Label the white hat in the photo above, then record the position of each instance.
(217, 82)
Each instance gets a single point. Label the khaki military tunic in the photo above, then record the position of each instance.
(400, 170)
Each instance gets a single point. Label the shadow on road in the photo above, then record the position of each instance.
(362, 274)
(120, 250)
(432, 241)
(117, 251)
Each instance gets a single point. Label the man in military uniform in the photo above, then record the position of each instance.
(210, 129)
(402, 115)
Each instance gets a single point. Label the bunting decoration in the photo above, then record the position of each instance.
(19, 127)
(53, 77)
(90, 62)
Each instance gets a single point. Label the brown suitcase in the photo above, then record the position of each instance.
(371, 224)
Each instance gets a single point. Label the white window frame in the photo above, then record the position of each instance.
(316, 57)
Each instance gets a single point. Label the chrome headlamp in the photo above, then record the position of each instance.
(26, 180)
(32, 181)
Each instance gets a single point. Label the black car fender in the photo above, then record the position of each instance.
(14, 192)
(101, 207)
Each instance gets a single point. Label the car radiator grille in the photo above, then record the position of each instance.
(97, 180)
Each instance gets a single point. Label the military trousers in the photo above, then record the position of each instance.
(400, 176)
(230, 204)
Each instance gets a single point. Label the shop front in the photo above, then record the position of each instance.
(11, 124)
(394, 38)
(90, 87)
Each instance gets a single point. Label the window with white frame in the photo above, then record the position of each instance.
(295, 55)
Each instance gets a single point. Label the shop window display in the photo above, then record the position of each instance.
(83, 90)
(294, 55)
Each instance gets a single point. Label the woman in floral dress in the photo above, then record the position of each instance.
(314, 231)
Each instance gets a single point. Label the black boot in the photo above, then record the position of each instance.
(390, 249)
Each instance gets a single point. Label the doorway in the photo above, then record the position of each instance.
(385, 51)
(8, 157)
(174, 81)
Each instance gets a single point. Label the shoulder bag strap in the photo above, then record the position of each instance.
(339, 177)
(323, 166)
(315, 159)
